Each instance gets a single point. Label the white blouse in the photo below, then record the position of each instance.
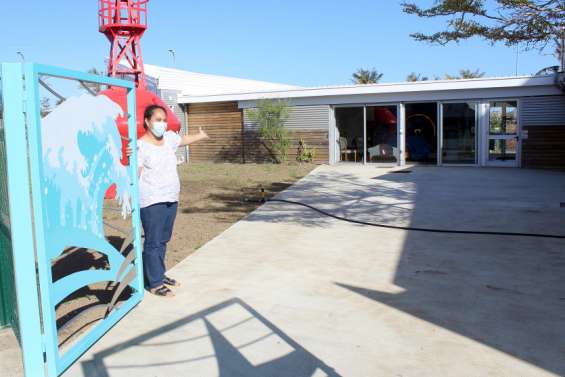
(159, 180)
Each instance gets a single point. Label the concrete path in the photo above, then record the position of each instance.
(11, 363)
(287, 292)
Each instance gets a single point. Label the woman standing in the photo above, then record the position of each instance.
(159, 188)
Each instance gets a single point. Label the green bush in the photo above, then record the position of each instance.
(305, 154)
(271, 116)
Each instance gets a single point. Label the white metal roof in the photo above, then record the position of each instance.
(200, 84)
(375, 89)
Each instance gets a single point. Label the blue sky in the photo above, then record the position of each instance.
(302, 42)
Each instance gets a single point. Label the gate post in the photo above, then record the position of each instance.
(21, 220)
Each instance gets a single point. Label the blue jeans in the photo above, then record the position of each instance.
(157, 221)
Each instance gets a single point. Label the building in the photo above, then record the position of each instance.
(172, 83)
(506, 121)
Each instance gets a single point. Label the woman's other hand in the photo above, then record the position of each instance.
(202, 134)
(194, 138)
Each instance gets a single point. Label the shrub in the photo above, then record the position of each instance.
(305, 154)
(271, 117)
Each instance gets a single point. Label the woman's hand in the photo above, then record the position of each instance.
(129, 150)
(194, 138)
(202, 134)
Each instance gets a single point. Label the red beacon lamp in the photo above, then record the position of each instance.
(123, 22)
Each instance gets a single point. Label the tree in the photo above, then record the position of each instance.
(45, 107)
(531, 23)
(560, 52)
(366, 76)
(92, 87)
(271, 116)
(416, 77)
(468, 74)
(465, 74)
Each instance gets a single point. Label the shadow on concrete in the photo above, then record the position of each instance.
(269, 352)
(507, 293)
(380, 202)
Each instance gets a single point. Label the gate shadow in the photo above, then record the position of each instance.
(270, 353)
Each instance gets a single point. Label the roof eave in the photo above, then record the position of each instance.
(405, 87)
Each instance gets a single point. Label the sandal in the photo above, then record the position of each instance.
(162, 291)
(171, 282)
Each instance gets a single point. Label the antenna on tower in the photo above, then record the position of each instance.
(172, 52)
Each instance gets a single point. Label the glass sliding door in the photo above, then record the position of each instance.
(459, 133)
(503, 133)
(350, 133)
(382, 126)
(421, 133)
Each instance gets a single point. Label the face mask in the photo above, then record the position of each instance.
(158, 129)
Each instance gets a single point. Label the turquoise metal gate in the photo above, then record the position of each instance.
(63, 153)
(8, 315)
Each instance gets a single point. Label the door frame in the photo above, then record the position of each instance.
(486, 137)
(402, 129)
(334, 135)
(337, 134)
(482, 136)
(478, 127)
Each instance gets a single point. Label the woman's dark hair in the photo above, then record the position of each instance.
(149, 110)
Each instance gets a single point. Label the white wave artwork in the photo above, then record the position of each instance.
(81, 159)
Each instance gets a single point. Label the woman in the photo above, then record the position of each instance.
(159, 188)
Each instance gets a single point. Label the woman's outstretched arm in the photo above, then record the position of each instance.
(190, 139)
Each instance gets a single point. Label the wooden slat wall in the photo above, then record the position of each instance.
(544, 148)
(224, 124)
(228, 143)
(256, 152)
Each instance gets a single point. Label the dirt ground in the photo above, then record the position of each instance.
(214, 196)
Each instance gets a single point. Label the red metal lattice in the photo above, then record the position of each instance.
(124, 22)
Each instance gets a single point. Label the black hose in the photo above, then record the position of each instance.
(429, 230)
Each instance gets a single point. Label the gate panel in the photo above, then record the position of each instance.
(88, 248)
(19, 208)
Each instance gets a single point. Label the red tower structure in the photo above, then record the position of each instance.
(124, 22)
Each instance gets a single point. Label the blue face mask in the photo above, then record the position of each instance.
(158, 129)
